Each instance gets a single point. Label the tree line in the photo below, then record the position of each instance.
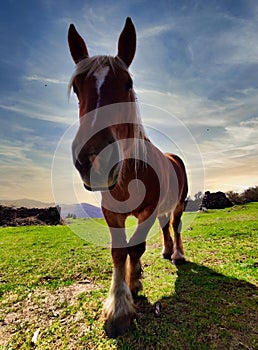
(248, 195)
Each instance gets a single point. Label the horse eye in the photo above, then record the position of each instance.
(129, 84)
(75, 90)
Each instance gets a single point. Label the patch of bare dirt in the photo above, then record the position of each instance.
(39, 309)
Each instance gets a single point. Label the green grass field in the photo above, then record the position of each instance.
(55, 281)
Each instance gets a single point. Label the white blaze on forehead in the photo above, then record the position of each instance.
(100, 76)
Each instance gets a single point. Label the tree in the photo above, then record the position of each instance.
(198, 196)
(71, 216)
(251, 194)
(235, 197)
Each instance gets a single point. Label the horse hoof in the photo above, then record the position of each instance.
(178, 262)
(178, 257)
(117, 327)
(166, 256)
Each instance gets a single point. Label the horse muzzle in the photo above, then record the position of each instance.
(99, 170)
(96, 182)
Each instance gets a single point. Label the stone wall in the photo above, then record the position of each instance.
(10, 216)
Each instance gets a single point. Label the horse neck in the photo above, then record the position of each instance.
(130, 132)
(133, 141)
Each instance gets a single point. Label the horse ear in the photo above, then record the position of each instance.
(77, 45)
(127, 42)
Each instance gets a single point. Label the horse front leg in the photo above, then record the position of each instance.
(136, 248)
(134, 269)
(119, 308)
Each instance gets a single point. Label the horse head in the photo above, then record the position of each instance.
(98, 82)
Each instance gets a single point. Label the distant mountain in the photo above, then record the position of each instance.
(82, 210)
(25, 202)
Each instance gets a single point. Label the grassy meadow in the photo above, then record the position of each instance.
(53, 281)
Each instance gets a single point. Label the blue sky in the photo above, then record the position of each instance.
(197, 60)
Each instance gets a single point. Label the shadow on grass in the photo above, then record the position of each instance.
(207, 311)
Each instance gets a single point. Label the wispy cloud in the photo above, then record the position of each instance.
(25, 181)
(37, 111)
(239, 43)
(22, 173)
(45, 80)
(155, 30)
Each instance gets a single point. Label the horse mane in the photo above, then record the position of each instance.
(91, 65)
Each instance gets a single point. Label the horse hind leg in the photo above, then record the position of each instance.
(178, 251)
(165, 224)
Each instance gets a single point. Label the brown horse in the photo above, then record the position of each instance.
(113, 155)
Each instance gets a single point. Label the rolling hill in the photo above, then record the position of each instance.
(80, 210)
(25, 202)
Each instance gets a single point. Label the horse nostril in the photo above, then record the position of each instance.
(82, 164)
(94, 160)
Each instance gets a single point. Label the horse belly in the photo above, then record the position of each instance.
(169, 191)
(167, 204)
(167, 180)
